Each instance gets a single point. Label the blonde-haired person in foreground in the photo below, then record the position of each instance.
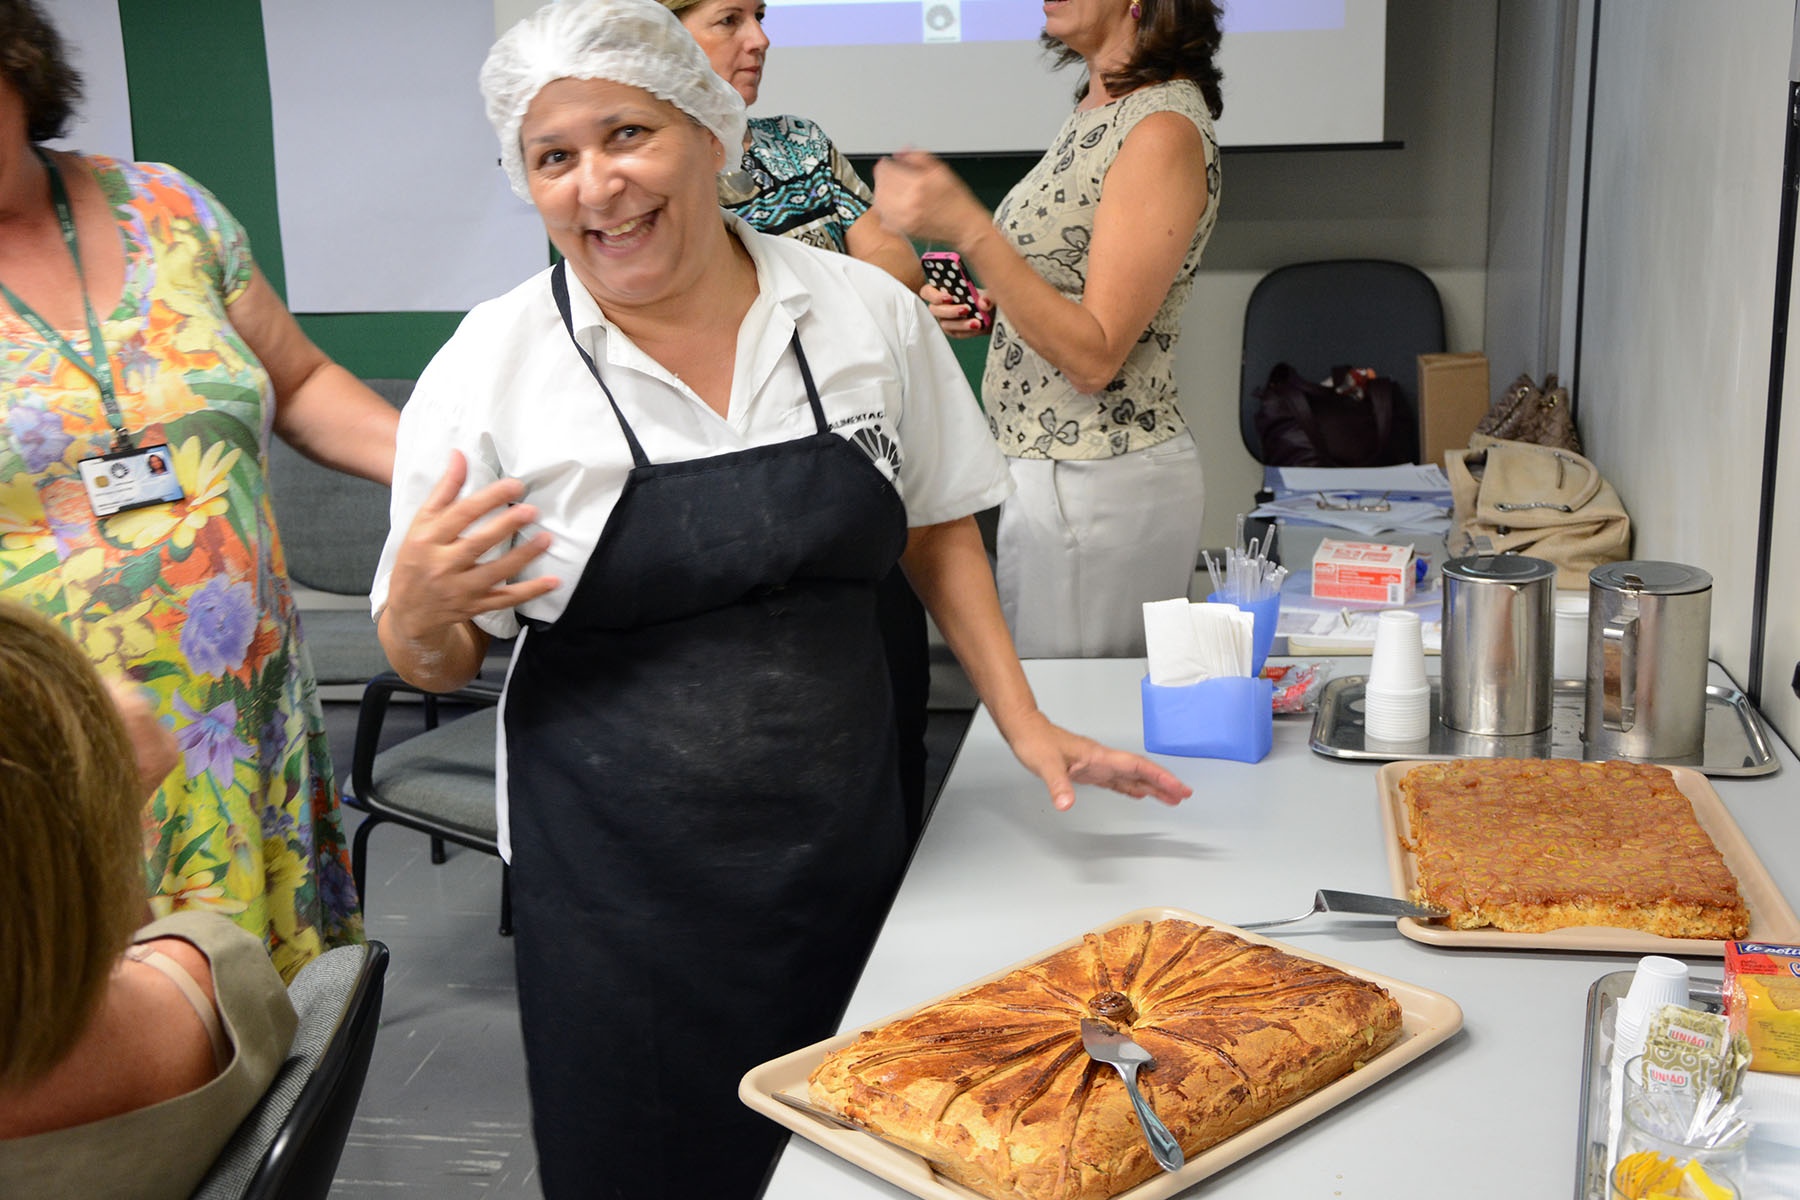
(126, 1060)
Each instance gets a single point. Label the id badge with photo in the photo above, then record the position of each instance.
(129, 479)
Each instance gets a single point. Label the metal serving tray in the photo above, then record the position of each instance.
(1596, 1057)
(1736, 741)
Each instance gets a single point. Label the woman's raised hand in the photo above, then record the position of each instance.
(439, 578)
(918, 195)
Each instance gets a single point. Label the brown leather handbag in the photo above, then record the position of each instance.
(1528, 413)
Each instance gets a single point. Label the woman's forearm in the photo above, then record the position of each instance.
(948, 566)
(1064, 333)
(876, 244)
(441, 659)
(334, 418)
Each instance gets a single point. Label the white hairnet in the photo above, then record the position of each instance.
(635, 42)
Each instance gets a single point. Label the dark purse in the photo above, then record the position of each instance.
(1360, 420)
(1528, 413)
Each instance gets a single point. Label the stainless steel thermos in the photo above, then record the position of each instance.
(1649, 629)
(1498, 644)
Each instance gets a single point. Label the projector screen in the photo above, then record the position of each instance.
(969, 76)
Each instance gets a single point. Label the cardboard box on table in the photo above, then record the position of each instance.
(1374, 572)
(1453, 397)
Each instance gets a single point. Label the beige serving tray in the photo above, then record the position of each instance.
(1771, 918)
(1427, 1018)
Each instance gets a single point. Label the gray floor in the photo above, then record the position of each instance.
(444, 1111)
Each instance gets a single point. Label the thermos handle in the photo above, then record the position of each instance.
(1618, 681)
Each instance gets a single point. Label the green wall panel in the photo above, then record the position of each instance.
(199, 83)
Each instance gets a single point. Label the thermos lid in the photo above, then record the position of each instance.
(1655, 578)
(1500, 568)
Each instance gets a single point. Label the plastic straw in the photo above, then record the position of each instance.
(1248, 575)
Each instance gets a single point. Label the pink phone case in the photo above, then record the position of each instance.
(944, 270)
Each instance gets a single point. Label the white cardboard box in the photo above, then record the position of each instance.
(1372, 571)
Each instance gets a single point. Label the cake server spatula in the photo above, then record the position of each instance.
(1325, 900)
(1107, 1045)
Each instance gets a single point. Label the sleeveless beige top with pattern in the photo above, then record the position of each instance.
(1033, 411)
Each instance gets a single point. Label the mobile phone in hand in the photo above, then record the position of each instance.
(944, 271)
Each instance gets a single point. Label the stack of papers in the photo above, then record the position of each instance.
(1412, 498)
(1314, 625)
(1345, 630)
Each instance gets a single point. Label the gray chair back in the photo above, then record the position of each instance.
(1358, 312)
(288, 1147)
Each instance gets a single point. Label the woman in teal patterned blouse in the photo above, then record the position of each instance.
(793, 182)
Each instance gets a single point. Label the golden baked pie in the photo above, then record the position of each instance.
(1529, 845)
(992, 1086)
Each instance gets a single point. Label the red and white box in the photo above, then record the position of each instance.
(1371, 571)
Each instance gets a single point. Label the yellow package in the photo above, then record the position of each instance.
(1648, 1175)
(1762, 1000)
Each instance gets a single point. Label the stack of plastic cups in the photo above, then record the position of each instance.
(1397, 697)
(1657, 981)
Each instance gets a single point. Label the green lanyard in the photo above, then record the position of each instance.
(98, 368)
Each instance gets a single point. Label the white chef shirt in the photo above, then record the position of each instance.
(510, 392)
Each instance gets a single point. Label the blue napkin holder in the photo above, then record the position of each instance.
(1230, 717)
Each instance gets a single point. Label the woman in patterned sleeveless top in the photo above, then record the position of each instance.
(1089, 261)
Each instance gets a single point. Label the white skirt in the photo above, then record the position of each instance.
(1084, 544)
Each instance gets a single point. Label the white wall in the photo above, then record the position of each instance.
(1781, 644)
(1425, 204)
(1534, 79)
(1689, 122)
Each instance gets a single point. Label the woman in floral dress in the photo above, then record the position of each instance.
(187, 598)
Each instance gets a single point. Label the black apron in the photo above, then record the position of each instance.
(705, 816)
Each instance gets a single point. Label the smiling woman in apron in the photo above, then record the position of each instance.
(677, 464)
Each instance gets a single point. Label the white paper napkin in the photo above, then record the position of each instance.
(1187, 643)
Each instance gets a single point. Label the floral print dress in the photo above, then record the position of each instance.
(188, 599)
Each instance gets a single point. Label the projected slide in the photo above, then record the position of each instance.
(968, 76)
(886, 23)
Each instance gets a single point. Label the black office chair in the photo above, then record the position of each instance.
(288, 1147)
(1358, 312)
(332, 529)
(439, 782)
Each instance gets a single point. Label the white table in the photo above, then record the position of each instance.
(999, 875)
